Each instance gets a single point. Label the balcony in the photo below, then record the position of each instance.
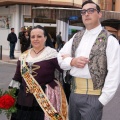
(60, 3)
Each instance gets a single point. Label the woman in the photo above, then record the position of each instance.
(25, 41)
(38, 90)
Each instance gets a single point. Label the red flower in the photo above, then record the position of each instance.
(6, 101)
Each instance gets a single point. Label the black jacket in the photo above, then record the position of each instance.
(12, 38)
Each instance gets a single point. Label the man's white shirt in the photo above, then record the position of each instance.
(113, 61)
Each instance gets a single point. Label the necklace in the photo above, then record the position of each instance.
(38, 51)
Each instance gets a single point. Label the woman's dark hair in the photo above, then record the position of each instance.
(87, 2)
(48, 41)
(40, 27)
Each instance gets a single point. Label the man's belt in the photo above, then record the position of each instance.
(84, 86)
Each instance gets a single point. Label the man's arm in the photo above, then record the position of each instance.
(16, 37)
(113, 66)
(8, 38)
(64, 62)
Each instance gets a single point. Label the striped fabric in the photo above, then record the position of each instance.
(85, 107)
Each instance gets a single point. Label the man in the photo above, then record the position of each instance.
(94, 65)
(20, 35)
(12, 38)
(59, 41)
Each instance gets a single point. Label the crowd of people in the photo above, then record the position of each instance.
(93, 69)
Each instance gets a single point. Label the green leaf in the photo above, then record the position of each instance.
(0, 111)
(12, 110)
(12, 92)
(1, 92)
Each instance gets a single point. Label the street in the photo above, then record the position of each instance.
(6, 74)
(111, 110)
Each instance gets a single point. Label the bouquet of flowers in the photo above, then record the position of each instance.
(7, 102)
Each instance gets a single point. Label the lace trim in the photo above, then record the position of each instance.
(48, 53)
(14, 84)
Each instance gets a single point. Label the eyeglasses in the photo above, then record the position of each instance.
(89, 11)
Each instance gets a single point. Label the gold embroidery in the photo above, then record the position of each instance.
(27, 89)
(33, 68)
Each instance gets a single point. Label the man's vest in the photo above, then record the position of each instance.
(98, 60)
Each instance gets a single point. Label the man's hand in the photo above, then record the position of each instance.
(79, 62)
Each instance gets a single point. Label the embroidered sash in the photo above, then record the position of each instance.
(37, 91)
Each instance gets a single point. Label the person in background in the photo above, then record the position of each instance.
(20, 35)
(29, 29)
(52, 39)
(12, 38)
(59, 41)
(39, 91)
(25, 41)
(48, 41)
(95, 70)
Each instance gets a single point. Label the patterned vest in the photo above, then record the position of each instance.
(98, 60)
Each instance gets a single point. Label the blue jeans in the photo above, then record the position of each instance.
(12, 48)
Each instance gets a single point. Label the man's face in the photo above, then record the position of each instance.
(91, 16)
(12, 30)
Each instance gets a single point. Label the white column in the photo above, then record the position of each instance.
(63, 28)
(21, 16)
(17, 24)
(32, 22)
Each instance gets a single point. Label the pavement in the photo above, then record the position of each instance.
(5, 56)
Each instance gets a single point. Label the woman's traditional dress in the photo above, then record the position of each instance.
(42, 68)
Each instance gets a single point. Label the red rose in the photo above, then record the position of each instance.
(6, 101)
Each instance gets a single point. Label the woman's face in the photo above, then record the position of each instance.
(37, 38)
(26, 33)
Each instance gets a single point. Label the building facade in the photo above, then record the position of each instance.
(54, 15)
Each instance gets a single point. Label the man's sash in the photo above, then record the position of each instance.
(38, 93)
